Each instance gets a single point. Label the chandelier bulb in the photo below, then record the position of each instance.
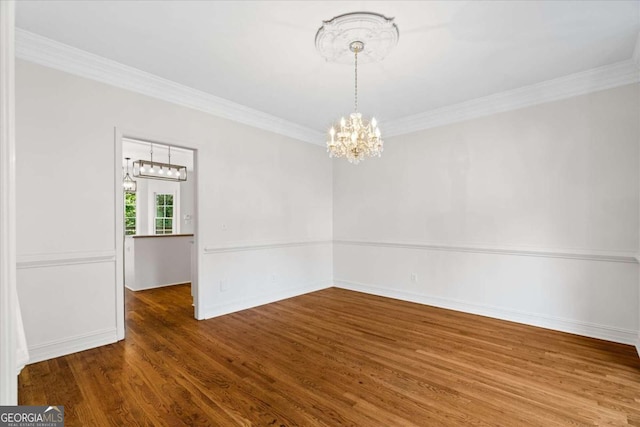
(161, 171)
(373, 122)
(342, 122)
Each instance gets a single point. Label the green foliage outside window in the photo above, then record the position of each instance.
(129, 213)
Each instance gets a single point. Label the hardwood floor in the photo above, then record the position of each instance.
(336, 357)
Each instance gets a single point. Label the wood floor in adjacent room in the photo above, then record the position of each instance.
(333, 358)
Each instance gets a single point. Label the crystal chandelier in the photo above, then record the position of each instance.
(355, 137)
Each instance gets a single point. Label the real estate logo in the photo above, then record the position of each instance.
(31, 416)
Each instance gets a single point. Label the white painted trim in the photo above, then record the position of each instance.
(118, 237)
(636, 52)
(592, 330)
(50, 53)
(255, 246)
(638, 345)
(596, 79)
(57, 259)
(8, 293)
(246, 303)
(146, 288)
(62, 347)
(589, 255)
(138, 135)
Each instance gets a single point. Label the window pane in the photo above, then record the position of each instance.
(169, 199)
(168, 224)
(169, 212)
(159, 211)
(158, 226)
(159, 199)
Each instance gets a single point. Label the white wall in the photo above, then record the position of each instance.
(187, 203)
(529, 215)
(154, 262)
(259, 193)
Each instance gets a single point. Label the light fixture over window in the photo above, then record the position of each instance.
(355, 137)
(156, 170)
(130, 186)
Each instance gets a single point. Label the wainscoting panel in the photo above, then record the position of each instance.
(68, 302)
(240, 276)
(591, 297)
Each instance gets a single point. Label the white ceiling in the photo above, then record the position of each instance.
(262, 54)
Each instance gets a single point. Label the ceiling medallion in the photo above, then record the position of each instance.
(355, 137)
(379, 33)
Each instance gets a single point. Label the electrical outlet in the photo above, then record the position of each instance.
(224, 285)
(414, 277)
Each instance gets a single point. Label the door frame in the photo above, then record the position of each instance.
(8, 292)
(119, 135)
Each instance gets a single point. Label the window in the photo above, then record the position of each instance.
(129, 213)
(164, 214)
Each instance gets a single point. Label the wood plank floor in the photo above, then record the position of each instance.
(334, 358)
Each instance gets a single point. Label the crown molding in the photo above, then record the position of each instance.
(601, 78)
(50, 53)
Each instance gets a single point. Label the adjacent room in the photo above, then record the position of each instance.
(364, 213)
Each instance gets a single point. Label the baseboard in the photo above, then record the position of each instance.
(62, 347)
(246, 303)
(592, 330)
(155, 287)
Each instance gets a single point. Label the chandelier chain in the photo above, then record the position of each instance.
(356, 80)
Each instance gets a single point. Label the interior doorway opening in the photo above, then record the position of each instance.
(156, 231)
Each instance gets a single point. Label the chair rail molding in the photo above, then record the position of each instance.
(261, 245)
(55, 259)
(589, 255)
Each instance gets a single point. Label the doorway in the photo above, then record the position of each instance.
(156, 218)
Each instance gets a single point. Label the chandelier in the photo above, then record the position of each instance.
(156, 170)
(356, 137)
(129, 185)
